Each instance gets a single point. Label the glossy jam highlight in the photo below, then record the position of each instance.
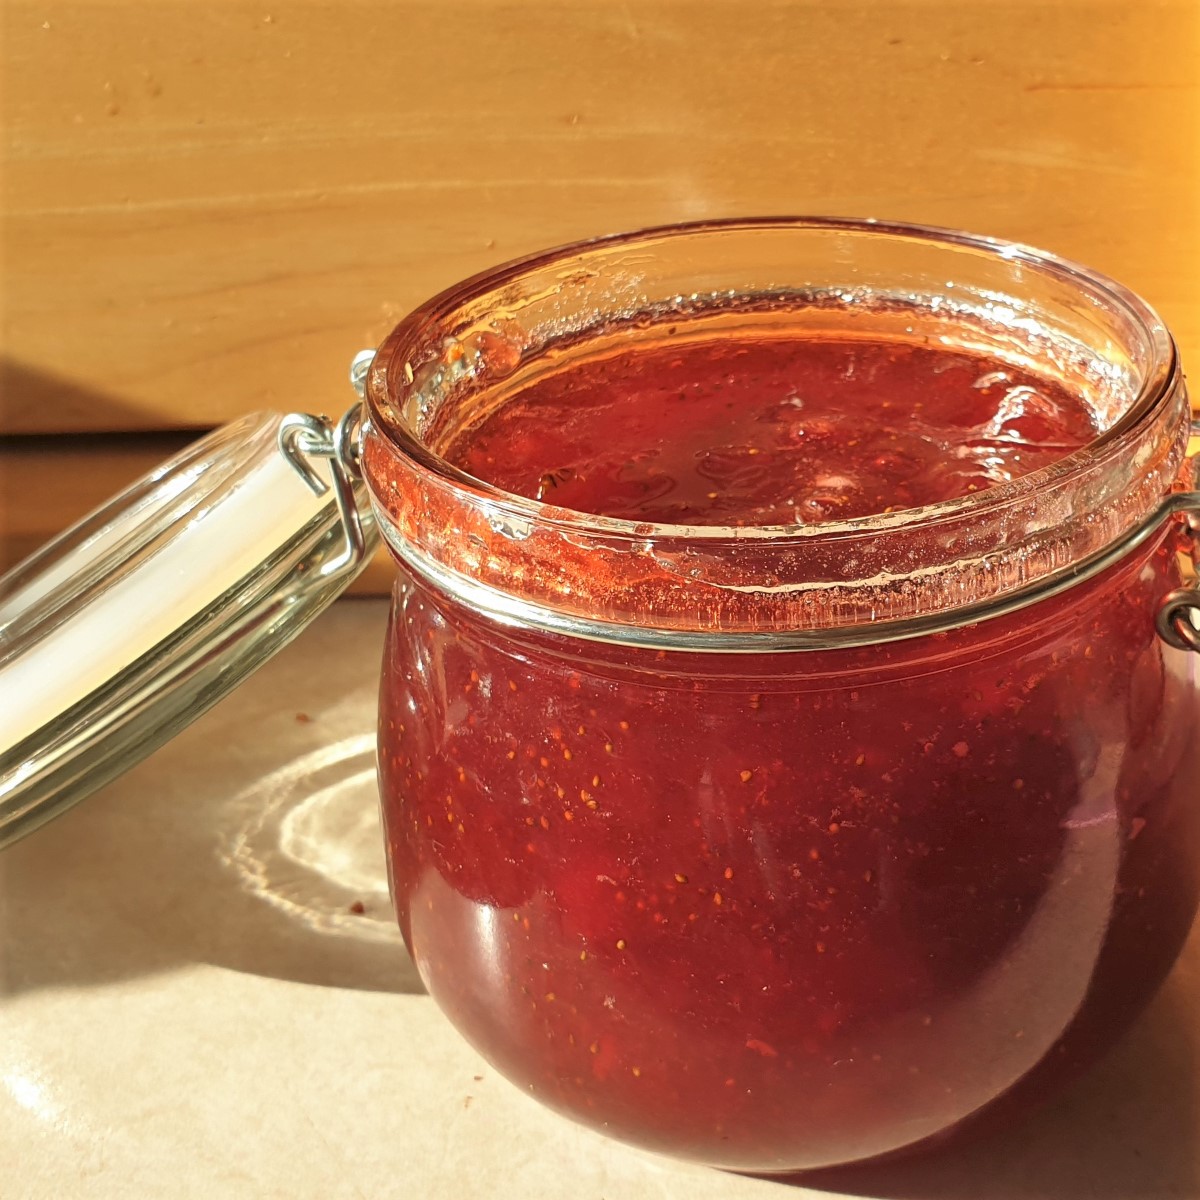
(772, 431)
(782, 911)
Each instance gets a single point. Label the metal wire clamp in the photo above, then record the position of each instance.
(303, 436)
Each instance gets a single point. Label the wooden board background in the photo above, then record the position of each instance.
(208, 207)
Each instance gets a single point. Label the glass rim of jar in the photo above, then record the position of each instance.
(437, 337)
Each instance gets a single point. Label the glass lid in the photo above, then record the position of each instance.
(132, 623)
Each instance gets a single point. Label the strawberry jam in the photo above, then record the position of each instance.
(785, 910)
(773, 431)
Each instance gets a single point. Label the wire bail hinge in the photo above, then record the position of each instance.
(303, 437)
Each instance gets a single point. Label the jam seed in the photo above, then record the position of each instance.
(680, 878)
(746, 776)
(620, 943)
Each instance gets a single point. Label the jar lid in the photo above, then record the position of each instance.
(131, 624)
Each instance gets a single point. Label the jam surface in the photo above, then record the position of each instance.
(773, 431)
(784, 911)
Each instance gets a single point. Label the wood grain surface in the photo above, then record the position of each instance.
(208, 208)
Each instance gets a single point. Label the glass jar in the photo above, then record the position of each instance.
(785, 847)
(772, 847)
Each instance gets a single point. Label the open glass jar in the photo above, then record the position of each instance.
(776, 846)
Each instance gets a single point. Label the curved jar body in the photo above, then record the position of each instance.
(775, 886)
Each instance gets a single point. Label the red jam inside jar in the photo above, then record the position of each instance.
(781, 906)
(740, 431)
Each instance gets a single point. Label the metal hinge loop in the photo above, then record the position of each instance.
(1178, 620)
(303, 436)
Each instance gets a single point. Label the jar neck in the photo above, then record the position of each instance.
(515, 606)
(871, 579)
